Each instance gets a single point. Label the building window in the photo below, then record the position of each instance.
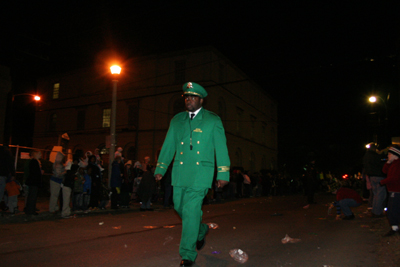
(239, 113)
(180, 71)
(221, 109)
(80, 120)
(53, 122)
(273, 136)
(56, 91)
(264, 163)
(253, 126)
(264, 133)
(133, 115)
(221, 73)
(106, 117)
(252, 161)
(238, 158)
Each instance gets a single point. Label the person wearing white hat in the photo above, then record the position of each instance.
(392, 182)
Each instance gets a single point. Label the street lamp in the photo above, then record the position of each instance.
(35, 97)
(115, 71)
(374, 99)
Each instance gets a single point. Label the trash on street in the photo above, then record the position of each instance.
(239, 255)
(212, 225)
(288, 239)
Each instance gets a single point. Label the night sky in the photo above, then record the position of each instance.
(314, 59)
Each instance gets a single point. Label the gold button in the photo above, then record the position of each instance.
(181, 143)
(197, 163)
(198, 152)
(198, 142)
(181, 153)
(181, 162)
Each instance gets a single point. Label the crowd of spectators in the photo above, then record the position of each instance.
(81, 184)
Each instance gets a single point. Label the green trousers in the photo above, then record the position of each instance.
(187, 203)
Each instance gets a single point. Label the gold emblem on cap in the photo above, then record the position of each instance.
(189, 85)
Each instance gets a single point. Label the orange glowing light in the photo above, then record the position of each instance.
(115, 69)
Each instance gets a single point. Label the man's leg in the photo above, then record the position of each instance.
(187, 203)
(345, 205)
(2, 186)
(32, 198)
(379, 195)
(66, 209)
(26, 193)
(54, 193)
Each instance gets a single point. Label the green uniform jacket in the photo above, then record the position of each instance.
(195, 167)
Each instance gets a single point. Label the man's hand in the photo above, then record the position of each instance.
(158, 177)
(222, 183)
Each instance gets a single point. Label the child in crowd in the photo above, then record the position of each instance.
(78, 189)
(104, 194)
(13, 189)
(345, 199)
(87, 189)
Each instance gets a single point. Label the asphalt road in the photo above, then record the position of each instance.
(254, 225)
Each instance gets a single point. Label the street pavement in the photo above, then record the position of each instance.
(133, 238)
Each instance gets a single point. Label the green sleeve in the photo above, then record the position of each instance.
(167, 152)
(221, 152)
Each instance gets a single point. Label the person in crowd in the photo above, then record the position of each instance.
(96, 182)
(99, 161)
(13, 190)
(146, 162)
(247, 188)
(373, 164)
(34, 181)
(119, 153)
(346, 198)
(310, 181)
(137, 174)
(116, 182)
(127, 185)
(104, 194)
(78, 189)
(26, 175)
(192, 173)
(83, 161)
(392, 182)
(87, 189)
(68, 186)
(7, 169)
(147, 188)
(56, 180)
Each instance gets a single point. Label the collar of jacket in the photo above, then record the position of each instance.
(199, 115)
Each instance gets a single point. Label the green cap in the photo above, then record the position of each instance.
(190, 88)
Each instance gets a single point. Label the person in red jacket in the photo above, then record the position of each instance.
(345, 199)
(392, 182)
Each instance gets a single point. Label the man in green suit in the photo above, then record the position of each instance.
(194, 140)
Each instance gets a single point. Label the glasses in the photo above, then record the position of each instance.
(190, 97)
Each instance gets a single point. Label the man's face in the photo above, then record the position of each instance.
(193, 102)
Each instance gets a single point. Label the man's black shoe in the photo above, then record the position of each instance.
(390, 233)
(186, 263)
(351, 217)
(200, 244)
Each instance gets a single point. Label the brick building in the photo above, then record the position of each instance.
(149, 94)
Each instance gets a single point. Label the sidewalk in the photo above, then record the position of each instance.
(44, 213)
